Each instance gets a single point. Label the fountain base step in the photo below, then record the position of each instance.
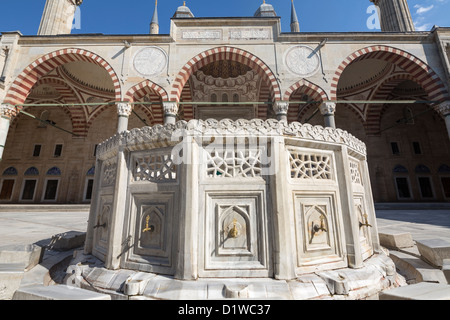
(377, 274)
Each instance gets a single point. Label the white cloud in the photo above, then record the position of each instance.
(421, 10)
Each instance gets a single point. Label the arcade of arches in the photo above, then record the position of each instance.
(408, 145)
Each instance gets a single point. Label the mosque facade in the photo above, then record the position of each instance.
(64, 94)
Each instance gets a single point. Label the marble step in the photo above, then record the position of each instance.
(57, 292)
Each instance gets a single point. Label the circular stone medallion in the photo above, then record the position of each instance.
(150, 61)
(302, 60)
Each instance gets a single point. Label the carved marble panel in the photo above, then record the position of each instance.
(150, 61)
(155, 167)
(235, 235)
(317, 230)
(364, 226)
(102, 226)
(109, 172)
(234, 163)
(355, 172)
(250, 34)
(302, 61)
(150, 233)
(307, 165)
(201, 34)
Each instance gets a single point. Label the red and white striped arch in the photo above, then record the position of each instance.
(420, 71)
(225, 53)
(308, 88)
(141, 89)
(21, 87)
(76, 112)
(155, 92)
(295, 93)
(374, 112)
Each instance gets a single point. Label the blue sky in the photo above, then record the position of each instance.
(133, 16)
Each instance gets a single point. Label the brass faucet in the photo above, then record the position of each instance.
(147, 227)
(366, 222)
(318, 228)
(234, 232)
(100, 226)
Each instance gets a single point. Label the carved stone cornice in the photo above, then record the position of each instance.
(170, 135)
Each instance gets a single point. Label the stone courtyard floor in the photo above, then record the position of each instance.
(21, 226)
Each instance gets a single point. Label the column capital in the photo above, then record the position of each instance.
(7, 111)
(443, 108)
(327, 108)
(281, 107)
(170, 108)
(124, 109)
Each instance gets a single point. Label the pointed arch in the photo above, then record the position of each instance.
(141, 89)
(69, 96)
(419, 70)
(303, 87)
(156, 92)
(310, 88)
(21, 87)
(374, 112)
(225, 53)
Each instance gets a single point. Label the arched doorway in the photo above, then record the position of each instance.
(394, 130)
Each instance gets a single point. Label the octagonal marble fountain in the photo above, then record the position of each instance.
(233, 209)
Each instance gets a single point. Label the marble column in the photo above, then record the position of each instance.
(170, 112)
(281, 110)
(7, 111)
(328, 109)
(123, 111)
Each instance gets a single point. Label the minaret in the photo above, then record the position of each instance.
(295, 26)
(154, 25)
(58, 17)
(394, 15)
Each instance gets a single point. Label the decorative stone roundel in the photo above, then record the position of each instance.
(150, 61)
(302, 60)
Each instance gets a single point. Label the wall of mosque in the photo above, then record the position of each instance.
(159, 68)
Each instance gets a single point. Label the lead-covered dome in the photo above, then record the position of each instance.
(183, 12)
(265, 10)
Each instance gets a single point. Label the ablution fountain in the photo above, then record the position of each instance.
(211, 209)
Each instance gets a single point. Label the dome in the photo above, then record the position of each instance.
(265, 10)
(183, 12)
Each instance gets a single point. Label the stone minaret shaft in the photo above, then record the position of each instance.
(58, 17)
(295, 25)
(154, 24)
(394, 15)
